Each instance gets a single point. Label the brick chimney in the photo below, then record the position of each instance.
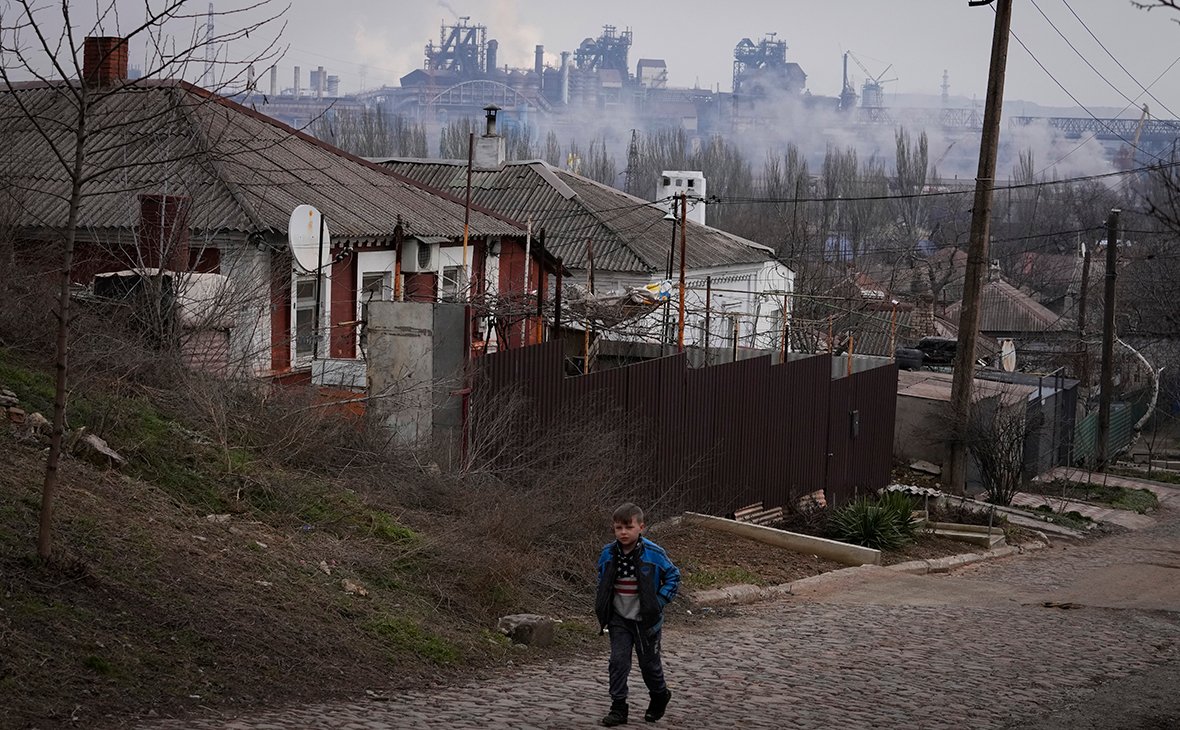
(923, 317)
(163, 231)
(104, 60)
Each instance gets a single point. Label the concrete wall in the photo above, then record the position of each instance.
(449, 321)
(920, 426)
(401, 367)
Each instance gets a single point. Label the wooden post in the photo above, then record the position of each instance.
(955, 475)
(1106, 392)
(850, 353)
(735, 337)
(1084, 366)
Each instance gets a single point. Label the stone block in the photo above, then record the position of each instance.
(527, 628)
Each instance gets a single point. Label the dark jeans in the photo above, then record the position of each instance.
(626, 635)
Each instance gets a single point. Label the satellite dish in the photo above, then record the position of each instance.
(303, 234)
(1008, 355)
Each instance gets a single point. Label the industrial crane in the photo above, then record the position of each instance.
(1124, 159)
(871, 95)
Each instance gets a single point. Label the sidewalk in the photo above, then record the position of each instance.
(1124, 518)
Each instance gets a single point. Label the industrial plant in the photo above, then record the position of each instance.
(461, 74)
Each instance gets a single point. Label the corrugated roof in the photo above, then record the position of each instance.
(1005, 308)
(629, 233)
(243, 171)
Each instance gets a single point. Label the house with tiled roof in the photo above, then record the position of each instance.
(624, 243)
(182, 180)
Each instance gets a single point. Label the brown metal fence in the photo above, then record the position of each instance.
(720, 437)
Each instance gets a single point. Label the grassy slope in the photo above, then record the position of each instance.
(149, 606)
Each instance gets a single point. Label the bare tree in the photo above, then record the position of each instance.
(77, 120)
(996, 437)
(372, 133)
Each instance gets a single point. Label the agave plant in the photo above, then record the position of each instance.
(879, 524)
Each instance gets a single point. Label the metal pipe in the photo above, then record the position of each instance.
(708, 311)
(557, 301)
(467, 208)
(319, 294)
(683, 244)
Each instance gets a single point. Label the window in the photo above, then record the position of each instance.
(376, 286)
(691, 182)
(452, 286)
(679, 182)
(305, 329)
(667, 182)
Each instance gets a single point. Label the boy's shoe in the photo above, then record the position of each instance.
(659, 703)
(617, 714)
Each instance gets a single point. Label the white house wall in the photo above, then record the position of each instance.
(248, 267)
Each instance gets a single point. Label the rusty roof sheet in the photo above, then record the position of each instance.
(629, 233)
(243, 171)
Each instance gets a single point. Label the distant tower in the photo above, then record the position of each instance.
(632, 170)
(210, 53)
(946, 89)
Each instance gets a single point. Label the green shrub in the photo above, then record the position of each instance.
(872, 524)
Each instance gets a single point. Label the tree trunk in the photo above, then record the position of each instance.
(61, 361)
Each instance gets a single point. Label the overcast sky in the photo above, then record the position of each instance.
(920, 38)
(377, 41)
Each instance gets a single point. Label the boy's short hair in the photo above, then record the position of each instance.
(627, 512)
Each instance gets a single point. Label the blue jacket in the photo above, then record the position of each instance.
(658, 582)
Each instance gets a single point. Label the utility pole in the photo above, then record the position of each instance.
(683, 236)
(1107, 385)
(964, 366)
(1083, 349)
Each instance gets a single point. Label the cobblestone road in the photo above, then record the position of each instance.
(796, 664)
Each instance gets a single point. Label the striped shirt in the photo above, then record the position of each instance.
(626, 598)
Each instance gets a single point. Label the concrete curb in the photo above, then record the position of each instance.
(840, 552)
(745, 593)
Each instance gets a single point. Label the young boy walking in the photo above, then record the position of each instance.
(635, 581)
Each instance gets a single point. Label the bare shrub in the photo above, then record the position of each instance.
(525, 521)
(996, 436)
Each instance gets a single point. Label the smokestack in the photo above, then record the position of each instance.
(565, 77)
(104, 60)
(296, 89)
(333, 86)
(163, 231)
(319, 83)
(539, 63)
(493, 47)
(249, 80)
(274, 81)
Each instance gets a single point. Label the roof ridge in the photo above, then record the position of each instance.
(235, 106)
(198, 130)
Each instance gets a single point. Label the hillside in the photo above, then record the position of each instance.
(206, 575)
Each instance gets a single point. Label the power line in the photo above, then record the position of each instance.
(1068, 93)
(1120, 65)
